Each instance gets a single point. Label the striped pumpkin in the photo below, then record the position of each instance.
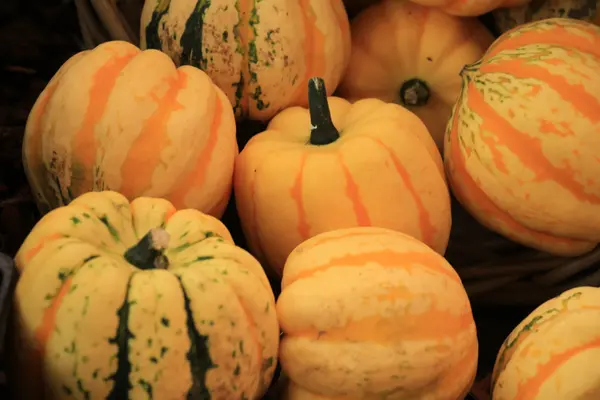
(365, 307)
(120, 300)
(508, 18)
(260, 53)
(117, 118)
(339, 165)
(553, 353)
(470, 8)
(521, 149)
(419, 69)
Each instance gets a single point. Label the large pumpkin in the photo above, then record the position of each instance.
(138, 300)
(412, 55)
(339, 165)
(553, 353)
(508, 18)
(521, 150)
(370, 313)
(127, 120)
(469, 8)
(261, 53)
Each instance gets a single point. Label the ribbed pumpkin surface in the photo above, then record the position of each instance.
(118, 118)
(470, 7)
(260, 53)
(552, 354)
(91, 325)
(508, 18)
(522, 147)
(379, 315)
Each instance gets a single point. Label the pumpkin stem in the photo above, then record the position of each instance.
(322, 130)
(148, 253)
(414, 92)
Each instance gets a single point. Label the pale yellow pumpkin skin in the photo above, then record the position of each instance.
(361, 310)
(395, 43)
(553, 353)
(260, 53)
(118, 118)
(87, 318)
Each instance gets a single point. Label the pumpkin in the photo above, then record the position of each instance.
(412, 55)
(261, 53)
(364, 307)
(140, 300)
(469, 8)
(118, 118)
(550, 354)
(508, 18)
(520, 149)
(339, 165)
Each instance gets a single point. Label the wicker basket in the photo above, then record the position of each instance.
(495, 271)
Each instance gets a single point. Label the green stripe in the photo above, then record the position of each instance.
(191, 40)
(122, 385)
(152, 29)
(198, 355)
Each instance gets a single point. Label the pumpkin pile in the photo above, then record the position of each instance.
(130, 286)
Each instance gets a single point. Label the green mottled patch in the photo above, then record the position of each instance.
(191, 41)
(154, 26)
(111, 229)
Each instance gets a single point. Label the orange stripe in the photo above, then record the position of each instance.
(303, 228)
(196, 176)
(40, 245)
(386, 259)
(84, 143)
(314, 51)
(44, 330)
(430, 325)
(427, 228)
(530, 388)
(346, 235)
(527, 148)
(144, 157)
(353, 193)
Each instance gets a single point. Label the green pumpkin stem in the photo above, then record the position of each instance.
(322, 131)
(148, 253)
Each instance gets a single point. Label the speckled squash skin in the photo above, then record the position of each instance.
(397, 324)
(118, 118)
(521, 149)
(412, 55)
(381, 168)
(92, 325)
(469, 8)
(553, 353)
(260, 53)
(508, 18)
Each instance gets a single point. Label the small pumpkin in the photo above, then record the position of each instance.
(365, 307)
(118, 118)
(521, 149)
(339, 165)
(136, 300)
(549, 355)
(469, 8)
(412, 55)
(260, 53)
(508, 18)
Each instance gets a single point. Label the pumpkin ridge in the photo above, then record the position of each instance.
(303, 227)
(123, 335)
(353, 194)
(198, 354)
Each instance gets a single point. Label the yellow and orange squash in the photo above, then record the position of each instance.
(339, 165)
(521, 149)
(137, 300)
(552, 354)
(260, 53)
(371, 313)
(118, 118)
(508, 18)
(469, 8)
(412, 55)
